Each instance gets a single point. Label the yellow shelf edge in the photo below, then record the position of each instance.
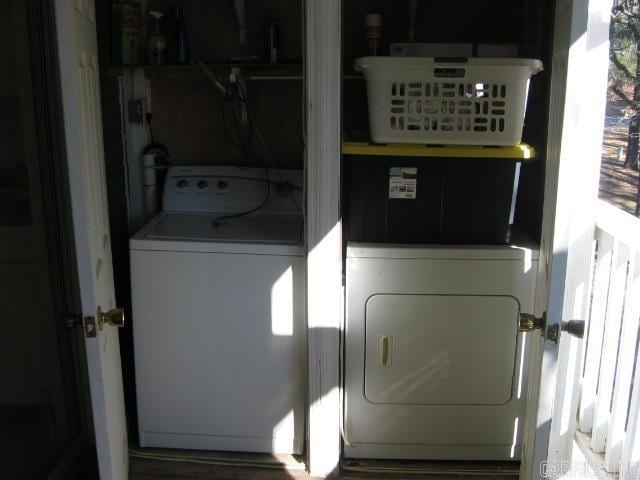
(521, 151)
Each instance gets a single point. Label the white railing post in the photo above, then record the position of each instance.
(630, 456)
(595, 331)
(610, 401)
(626, 353)
(615, 304)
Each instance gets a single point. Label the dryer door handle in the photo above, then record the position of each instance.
(385, 350)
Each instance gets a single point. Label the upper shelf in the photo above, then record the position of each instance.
(247, 71)
(521, 151)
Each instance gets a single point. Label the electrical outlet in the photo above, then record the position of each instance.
(136, 111)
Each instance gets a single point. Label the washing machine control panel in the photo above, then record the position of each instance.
(232, 189)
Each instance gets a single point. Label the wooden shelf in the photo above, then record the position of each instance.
(248, 71)
(521, 151)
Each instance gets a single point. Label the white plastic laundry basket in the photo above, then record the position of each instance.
(480, 101)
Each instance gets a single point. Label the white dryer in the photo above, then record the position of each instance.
(219, 313)
(434, 365)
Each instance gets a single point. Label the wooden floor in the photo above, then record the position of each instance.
(25, 430)
(148, 465)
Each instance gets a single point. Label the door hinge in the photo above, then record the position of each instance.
(90, 329)
(553, 333)
(70, 320)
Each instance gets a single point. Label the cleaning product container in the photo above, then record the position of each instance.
(474, 101)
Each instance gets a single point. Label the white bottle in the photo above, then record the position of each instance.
(157, 43)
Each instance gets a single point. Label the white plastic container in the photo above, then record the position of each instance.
(418, 100)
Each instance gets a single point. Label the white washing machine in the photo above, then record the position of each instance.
(434, 365)
(219, 313)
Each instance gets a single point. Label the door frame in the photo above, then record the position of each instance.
(324, 276)
(572, 60)
(55, 197)
(325, 309)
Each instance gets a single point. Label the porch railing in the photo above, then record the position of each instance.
(610, 394)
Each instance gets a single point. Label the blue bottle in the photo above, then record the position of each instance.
(182, 40)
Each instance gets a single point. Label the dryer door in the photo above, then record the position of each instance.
(440, 349)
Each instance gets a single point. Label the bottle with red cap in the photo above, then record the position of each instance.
(373, 23)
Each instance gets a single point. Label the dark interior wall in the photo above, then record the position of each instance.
(213, 28)
(187, 109)
(498, 21)
(530, 204)
(188, 119)
(527, 24)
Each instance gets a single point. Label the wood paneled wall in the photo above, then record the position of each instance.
(187, 115)
(187, 118)
(213, 28)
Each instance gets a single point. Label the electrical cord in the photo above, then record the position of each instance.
(224, 123)
(149, 126)
(267, 152)
(246, 149)
(241, 144)
(216, 221)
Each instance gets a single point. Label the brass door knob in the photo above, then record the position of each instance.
(114, 317)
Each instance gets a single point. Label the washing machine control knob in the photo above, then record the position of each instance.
(202, 184)
(182, 184)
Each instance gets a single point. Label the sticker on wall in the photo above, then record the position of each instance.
(403, 182)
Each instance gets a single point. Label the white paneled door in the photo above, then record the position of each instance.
(80, 88)
(579, 71)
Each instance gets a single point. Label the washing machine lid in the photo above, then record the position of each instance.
(440, 349)
(254, 233)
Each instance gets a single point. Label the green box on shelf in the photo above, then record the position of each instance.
(126, 33)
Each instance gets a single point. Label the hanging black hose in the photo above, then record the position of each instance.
(241, 144)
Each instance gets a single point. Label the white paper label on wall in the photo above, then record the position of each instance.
(403, 182)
